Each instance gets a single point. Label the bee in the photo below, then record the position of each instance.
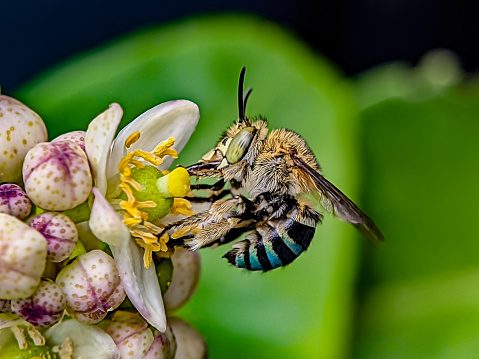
(269, 173)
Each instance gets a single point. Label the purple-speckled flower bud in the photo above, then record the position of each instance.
(92, 286)
(57, 175)
(186, 276)
(76, 136)
(190, 344)
(44, 308)
(20, 130)
(22, 258)
(135, 339)
(14, 201)
(60, 232)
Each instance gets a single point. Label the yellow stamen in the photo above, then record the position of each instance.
(130, 181)
(152, 228)
(146, 204)
(147, 256)
(180, 233)
(131, 222)
(36, 336)
(164, 148)
(146, 236)
(135, 136)
(165, 238)
(182, 206)
(20, 337)
(132, 209)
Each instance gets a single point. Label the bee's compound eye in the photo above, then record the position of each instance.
(240, 144)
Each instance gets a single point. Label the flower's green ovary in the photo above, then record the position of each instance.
(147, 178)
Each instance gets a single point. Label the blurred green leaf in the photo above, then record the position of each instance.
(421, 174)
(304, 310)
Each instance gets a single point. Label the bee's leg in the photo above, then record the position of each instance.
(225, 220)
(212, 198)
(183, 228)
(233, 234)
(276, 243)
(217, 193)
(213, 187)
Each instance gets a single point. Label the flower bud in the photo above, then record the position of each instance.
(23, 258)
(44, 308)
(163, 346)
(186, 276)
(60, 232)
(190, 344)
(57, 175)
(20, 130)
(14, 201)
(92, 286)
(75, 136)
(135, 339)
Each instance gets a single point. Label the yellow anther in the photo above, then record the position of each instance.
(131, 222)
(163, 247)
(165, 238)
(135, 136)
(152, 228)
(147, 256)
(146, 204)
(126, 180)
(164, 148)
(180, 233)
(146, 236)
(182, 206)
(133, 211)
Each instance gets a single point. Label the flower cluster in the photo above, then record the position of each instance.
(83, 270)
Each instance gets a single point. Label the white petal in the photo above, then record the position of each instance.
(89, 341)
(176, 119)
(140, 284)
(98, 139)
(88, 239)
(105, 223)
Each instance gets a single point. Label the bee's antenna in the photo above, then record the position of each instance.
(245, 99)
(242, 99)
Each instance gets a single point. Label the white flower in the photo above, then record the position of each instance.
(175, 119)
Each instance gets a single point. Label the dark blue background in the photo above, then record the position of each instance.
(354, 34)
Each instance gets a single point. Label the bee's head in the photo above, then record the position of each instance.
(240, 140)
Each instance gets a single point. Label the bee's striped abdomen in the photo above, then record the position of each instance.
(271, 247)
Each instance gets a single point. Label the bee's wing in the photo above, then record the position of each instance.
(342, 206)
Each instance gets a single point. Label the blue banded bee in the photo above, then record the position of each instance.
(268, 174)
